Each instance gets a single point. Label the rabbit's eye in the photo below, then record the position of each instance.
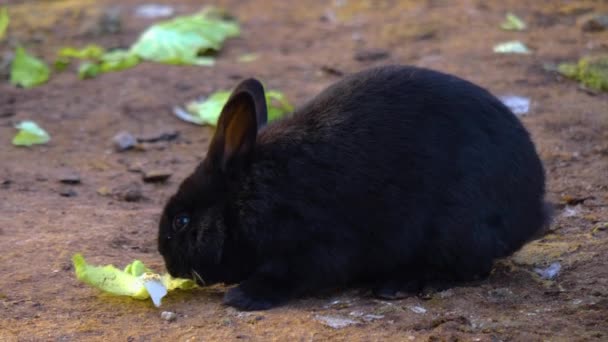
(181, 221)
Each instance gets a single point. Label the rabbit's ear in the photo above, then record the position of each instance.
(237, 128)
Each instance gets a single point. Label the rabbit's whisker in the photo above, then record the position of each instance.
(196, 276)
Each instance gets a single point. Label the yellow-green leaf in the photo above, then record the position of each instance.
(591, 72)
(30, 134)
(90, 51)
(136, 280)
(88, 70)
(513, 23)
(4, 21)
(118, 60)
(28, 71)
(207, 111)
(182, 40)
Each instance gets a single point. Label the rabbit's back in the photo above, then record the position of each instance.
(397, 164)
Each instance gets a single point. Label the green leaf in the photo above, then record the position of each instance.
(30, 134)
(118, 60)
(515, 46)
(108, 62)
(109, 279)
(207, 112)
(184, 39)
(134, 281)
(591, 72)
(28, 71)
(61, 63)
(4, 21)
(277, 105)
(88, 70)
(90, 51)
(513, 23)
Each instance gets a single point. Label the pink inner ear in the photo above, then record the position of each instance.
(240, 127)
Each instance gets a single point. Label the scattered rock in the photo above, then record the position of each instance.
(162, 136)
(69, 178)
(417, 309)
(104, 191)
(335, 322)
(156, 176)
(110, 21)
(151, 11)
(600, 227)
(107, 21)
(596, 23)
(168, 316)
(550, 272)
(573, 200)
(577, 302)
(6, 184)
(124, 141)
(68, 193)
(370, 55)
(366, 317)
(5, 64)
(519, 105)
(329, 16)
(500, 294)
(339, 303)
(571, 211)
(446, 293)
(329, 70)
(131, 192)
(7, 112)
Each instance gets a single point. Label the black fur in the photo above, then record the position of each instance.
(393, 177)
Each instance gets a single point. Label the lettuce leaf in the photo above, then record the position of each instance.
(182, 40)
(27, 71)
(30, 134)
(136, 280)
(207, 111)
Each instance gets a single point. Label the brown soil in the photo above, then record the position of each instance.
(302, 46)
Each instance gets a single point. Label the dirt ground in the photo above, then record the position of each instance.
(303, 47)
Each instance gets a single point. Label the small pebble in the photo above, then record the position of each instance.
(417, 309)
(372, 317)
(550, 272)
(168, 316)
(335, 322)
(571, 211)
(132, 194)
(596, 23)
(104, 191)
(69, 178)
(156, 176)
(500, 294)
(151, 11)
(124, 141)
(68, 193)
(110, 21)
(162, 136)
(371, 55)
(446, 294)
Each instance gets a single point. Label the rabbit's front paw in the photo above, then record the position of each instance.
(242, 298)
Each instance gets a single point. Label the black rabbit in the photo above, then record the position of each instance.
(394, 177)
